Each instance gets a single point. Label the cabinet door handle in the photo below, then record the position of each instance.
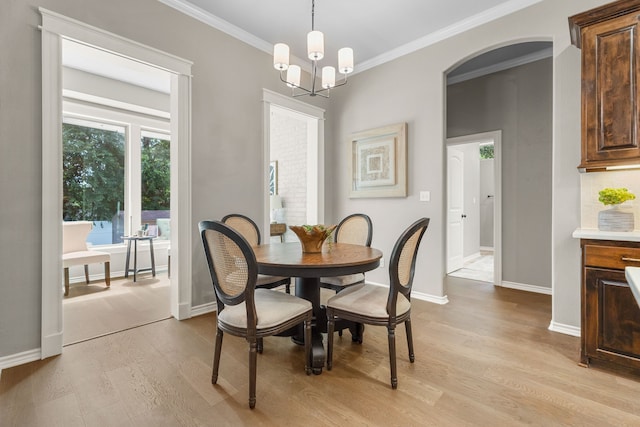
(625, 258)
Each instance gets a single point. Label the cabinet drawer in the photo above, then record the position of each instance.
(613, 257)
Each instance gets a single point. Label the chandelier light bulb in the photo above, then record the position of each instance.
(345, 60)
(280, 56)
(293, 76)
(315, 45)
(328, 77)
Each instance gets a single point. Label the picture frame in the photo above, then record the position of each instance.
(273, 178)
(378, 166)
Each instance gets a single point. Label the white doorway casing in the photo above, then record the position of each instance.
(54, 28)
(494, 137)
(315, 153)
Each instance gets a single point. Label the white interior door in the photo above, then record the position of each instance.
(455, 206)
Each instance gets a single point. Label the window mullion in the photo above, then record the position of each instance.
(133, 178)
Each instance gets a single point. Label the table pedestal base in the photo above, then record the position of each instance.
(309, 289)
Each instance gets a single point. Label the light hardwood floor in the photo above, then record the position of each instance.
(485, 359)
(94, 310)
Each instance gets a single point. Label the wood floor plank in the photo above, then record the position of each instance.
(486, 358)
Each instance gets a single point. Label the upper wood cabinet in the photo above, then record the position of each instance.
(609, 39)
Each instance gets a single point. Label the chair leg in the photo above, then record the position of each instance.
(86, 273)
(392, 356)
(307, 346)
(216, 356)
(407, 326)
(331, 321)
(107, 273)
(66, 281)
(253, 361)
(288, 287)
(260, 345)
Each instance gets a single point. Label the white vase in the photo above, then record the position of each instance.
(615, 219)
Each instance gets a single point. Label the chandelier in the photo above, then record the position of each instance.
(290, 74)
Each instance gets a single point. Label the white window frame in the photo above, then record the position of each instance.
(135, 126)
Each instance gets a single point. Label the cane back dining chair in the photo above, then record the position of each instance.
(250, 231)
(376, 305)
(243, 310)
(355, 229)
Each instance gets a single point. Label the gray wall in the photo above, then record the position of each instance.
(227, 163)
(227, 160)
(517, 101)
(412, 89)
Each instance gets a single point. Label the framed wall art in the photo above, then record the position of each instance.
(379, 162)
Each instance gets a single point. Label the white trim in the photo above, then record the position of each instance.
(501, 66)
(55, 27)
(496, 138)
(471, 257)
(12, 360)
(460, 27)
(93, 100)
(528, 288)
(72, 29)
(315, 153)
(201, 309)
(218, 23)
(484, 17)
(441, 300)
(574, 331)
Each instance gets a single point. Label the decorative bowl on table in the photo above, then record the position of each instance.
(312, 237)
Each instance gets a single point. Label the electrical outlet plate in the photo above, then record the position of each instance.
(425, 196)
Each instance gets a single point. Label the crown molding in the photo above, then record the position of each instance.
(447, 32)
(501, 66)
(437, 36)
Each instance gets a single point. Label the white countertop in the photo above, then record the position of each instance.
(633, 277)
(594, 233)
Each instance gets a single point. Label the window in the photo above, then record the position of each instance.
(120, 185)
(486, 151)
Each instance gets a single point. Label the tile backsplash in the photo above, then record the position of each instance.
(592, 182)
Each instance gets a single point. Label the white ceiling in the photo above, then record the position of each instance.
(378, 31)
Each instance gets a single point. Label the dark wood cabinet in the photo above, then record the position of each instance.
(610, 314)
(609, 37)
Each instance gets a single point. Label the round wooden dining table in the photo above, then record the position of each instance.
(336, 259)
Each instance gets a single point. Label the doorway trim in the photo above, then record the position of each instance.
(56, 27)
(496, 138)
(315, 153)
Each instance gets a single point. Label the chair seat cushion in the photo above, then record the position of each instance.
(272, 308)
(367, 300)
(346, 280)
(264, 279)
(84, 257)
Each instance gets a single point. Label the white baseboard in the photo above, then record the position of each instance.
(419, 295)
(565, 329)
(430, 298)
(12, 360)
(529, 288)
(486, 248)
(203, 309)
(471, 257)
